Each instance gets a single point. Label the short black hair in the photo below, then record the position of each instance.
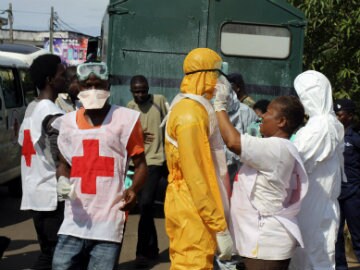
(42, 67)
(261, 105)
(237, 79)
(138, 78)
(292, 109)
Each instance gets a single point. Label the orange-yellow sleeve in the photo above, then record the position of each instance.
(135, 145)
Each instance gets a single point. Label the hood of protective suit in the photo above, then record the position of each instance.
(314, 91)
(203, 82)
(322, 136)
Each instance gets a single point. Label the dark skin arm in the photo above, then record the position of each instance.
(140, 175)
(230, 135)
(63, 168)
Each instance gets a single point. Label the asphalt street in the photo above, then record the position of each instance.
(23, 249)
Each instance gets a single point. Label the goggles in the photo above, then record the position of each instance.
(223, 70)
(100, 70)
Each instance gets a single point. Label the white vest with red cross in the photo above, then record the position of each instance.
(98, 160)
(37, 171)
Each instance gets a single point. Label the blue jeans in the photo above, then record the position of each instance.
(74, 253)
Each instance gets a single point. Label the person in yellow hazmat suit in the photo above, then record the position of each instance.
(196, 203)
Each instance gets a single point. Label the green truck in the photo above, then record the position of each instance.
(261, 39)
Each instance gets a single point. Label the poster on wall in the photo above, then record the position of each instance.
(71, 50)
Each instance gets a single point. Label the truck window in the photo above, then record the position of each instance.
(12, 93)
(28, 86)
(261, 41)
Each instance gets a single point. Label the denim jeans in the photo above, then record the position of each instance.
(74, 253)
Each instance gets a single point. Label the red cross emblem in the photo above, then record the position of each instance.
(27, 148)
(91, 165)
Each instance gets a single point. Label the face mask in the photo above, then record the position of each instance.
(93, 98)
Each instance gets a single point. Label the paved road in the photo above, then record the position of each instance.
(24, 249)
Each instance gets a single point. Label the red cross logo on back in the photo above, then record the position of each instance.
(91, 165)
(27, 149)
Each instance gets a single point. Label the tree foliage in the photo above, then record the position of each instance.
(332, 43)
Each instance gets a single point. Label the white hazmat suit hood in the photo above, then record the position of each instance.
(320, 144)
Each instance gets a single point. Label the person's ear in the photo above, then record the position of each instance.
(282, 122)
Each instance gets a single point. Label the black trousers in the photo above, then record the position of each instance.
(257, 264)
(47, 225)
(147, 244)
(349, 212)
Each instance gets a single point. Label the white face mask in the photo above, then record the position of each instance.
(93, 98)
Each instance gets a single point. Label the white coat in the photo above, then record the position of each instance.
(250, 214)
(320, 144)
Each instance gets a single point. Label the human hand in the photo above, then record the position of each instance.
(224, 244)
(222, 94)
(148, 137)
(64, 189)
(129, 200)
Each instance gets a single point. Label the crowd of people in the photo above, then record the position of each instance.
(273, 181)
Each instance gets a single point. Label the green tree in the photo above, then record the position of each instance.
(332, 43)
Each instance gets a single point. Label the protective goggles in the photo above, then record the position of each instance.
(100, 70)
(223, 70)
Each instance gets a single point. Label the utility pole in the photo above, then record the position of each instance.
(51, 34)
(11, 21)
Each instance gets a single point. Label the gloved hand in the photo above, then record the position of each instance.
(222, 94)
(64, 189)
(224, 244)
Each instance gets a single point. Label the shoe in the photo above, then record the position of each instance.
(142, 262)
(4, 243)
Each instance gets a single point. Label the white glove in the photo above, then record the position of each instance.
(224, 244)
(222, 94)
(64, 189)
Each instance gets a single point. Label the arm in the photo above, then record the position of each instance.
(63, 169)
(140, 175)
(52, 134)
(230, 135)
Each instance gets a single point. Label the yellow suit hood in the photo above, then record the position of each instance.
(201, 82)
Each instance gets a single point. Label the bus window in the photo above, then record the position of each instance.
(12, 94)
(261, 41)
(28, 86)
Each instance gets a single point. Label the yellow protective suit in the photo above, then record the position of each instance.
(193, 207)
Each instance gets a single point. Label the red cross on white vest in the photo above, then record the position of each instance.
(27, 148)
(91, 165)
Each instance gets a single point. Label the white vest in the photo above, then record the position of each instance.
(37, 172)
(98, 160)
(247, 233)
(216, 147)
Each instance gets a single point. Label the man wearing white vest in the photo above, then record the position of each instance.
(96, 143)
(40, 155)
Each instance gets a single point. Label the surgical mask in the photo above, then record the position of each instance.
(93, 98)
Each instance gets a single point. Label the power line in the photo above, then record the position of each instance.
(31, 12)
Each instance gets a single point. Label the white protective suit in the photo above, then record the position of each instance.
(321, 144)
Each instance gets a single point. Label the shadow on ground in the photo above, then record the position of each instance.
(23, 260)
(163, 258)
